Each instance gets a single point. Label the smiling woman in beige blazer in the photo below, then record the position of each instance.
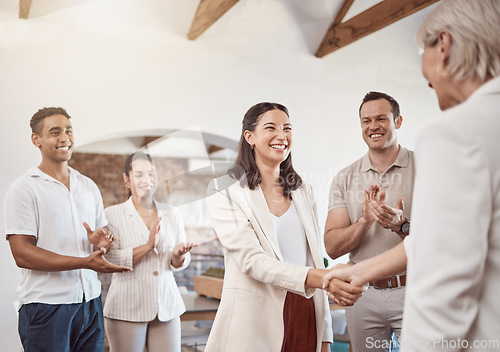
(143, 307)
(265, 218)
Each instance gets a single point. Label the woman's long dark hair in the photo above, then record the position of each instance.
(245, 164)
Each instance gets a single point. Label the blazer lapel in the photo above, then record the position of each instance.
(304, 208)
(133, 215)
(260, 210)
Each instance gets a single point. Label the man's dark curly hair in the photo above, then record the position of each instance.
(40, 115)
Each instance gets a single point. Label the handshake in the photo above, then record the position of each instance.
(344, 284)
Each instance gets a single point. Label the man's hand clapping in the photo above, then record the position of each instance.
(97, 262)
(387, 216)
(101, 238)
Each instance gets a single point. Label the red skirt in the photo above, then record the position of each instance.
(300, 324)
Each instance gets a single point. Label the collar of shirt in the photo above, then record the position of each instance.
(36, 172)
(401, 161)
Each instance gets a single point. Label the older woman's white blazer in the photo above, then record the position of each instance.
(149, 290)
(250, 315)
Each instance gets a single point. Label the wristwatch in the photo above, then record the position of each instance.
(405, 228)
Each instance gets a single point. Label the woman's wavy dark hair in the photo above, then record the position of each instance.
(245, 164)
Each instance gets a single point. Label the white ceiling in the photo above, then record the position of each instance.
(130, 62)
(288, 23)
(266, 39)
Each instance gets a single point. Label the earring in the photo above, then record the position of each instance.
(251, 146)
(127, 185)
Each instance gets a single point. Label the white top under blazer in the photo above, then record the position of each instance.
(291, 237)
(149, 290)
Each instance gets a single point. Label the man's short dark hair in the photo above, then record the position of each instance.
(378, 95)
(40, 115)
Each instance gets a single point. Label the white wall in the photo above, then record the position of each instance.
(119, 66)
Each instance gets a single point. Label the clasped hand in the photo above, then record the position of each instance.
(341, 286)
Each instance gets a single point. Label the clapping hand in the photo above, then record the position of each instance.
(387, 216)
(153, 235)
(183, 248)
(97, 262)
(179, 251)
(101, 238)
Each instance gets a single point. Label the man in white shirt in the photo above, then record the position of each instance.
(454, 252)
(50, 211)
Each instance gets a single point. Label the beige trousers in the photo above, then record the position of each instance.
(373, 319)
(156, 336)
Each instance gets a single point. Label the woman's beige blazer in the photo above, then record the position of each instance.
(250, 315)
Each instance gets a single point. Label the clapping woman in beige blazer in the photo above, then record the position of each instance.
(265, 218)
(143, 306)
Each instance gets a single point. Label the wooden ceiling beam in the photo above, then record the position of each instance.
(24, 8)
(148, 139)
(207, 13)
(375, 18)
(214, 148)
(343, 11)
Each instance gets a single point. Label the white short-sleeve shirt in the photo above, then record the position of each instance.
(37, 204)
